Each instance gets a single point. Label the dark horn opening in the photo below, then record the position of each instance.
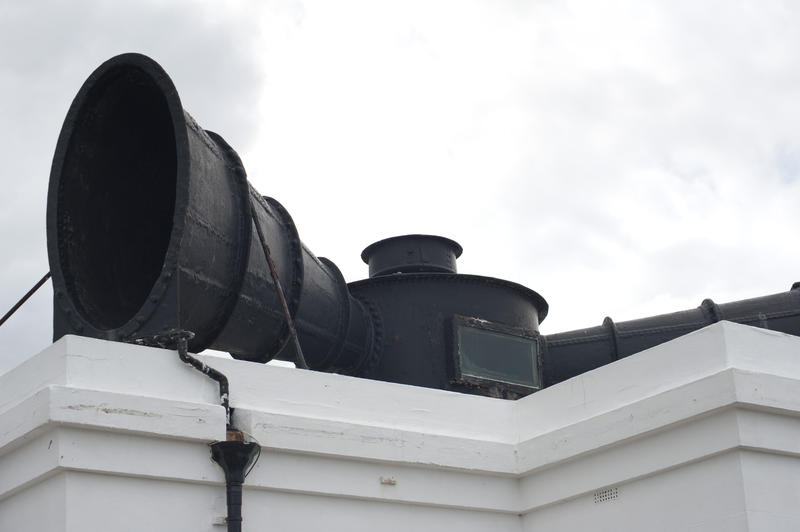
(117, 196)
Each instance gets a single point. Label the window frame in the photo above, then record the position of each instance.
(457, 377)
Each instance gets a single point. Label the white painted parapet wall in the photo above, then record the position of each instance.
(701, 433)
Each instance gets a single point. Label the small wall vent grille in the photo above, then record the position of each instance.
(605, 495)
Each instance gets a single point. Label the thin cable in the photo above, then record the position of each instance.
(253, 440)
(25, 298)
(254, 461)
(300, 360)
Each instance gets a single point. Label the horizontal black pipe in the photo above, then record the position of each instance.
(571, 353)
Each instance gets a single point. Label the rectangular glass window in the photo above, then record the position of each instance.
(489, 353)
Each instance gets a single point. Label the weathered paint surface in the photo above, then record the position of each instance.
(702, 433)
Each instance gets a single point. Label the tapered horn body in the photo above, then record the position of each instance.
(149, 226)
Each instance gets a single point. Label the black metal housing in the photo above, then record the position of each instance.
(416, 312)
(411, 254)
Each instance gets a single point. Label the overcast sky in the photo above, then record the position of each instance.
(620, 158)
